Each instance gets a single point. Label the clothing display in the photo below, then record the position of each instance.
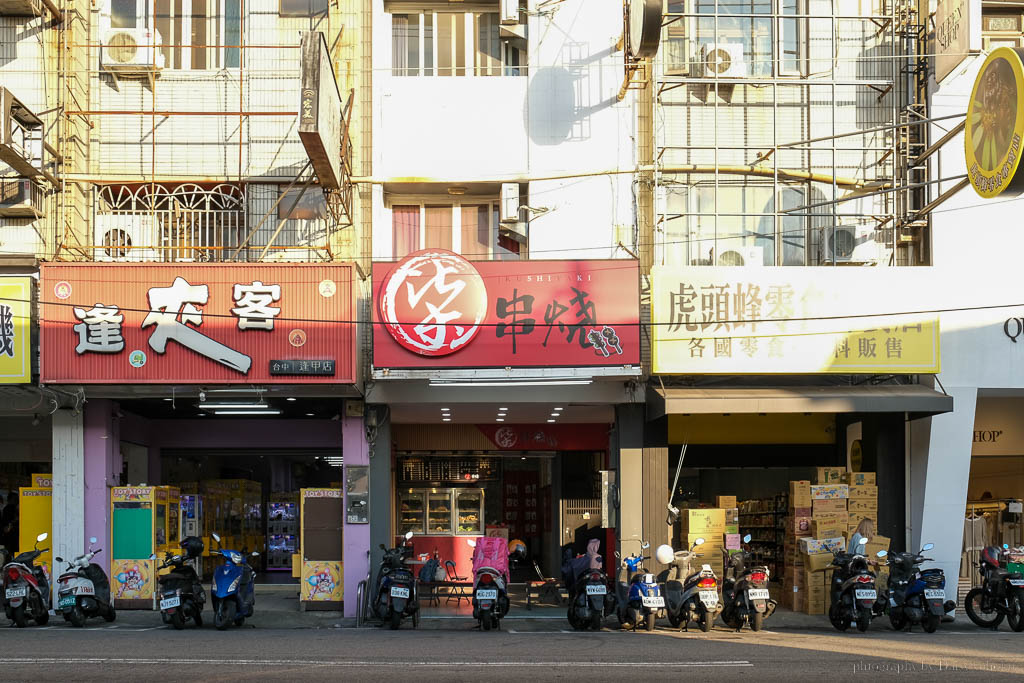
(976, 535)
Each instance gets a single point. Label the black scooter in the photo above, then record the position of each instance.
(692, 594)
(181, 591)
(27, 588)
(396, 587)
(590, 601)
(916, 596)
(853, 591)
(745, 596)
(1001, 594)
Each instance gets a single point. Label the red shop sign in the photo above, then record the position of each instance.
(436, 309)
(551, 437)
(124, 323)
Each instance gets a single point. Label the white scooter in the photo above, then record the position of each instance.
(83, 590)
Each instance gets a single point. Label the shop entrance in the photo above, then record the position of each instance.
(25, 484)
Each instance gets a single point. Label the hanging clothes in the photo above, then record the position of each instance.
(975, 539)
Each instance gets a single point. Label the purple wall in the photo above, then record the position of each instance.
(357, 536)
(102, 467)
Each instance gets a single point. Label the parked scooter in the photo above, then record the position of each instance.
(396, 588)
(586, 582)
(490, 581)
(916, 596)
(83, 590)
(745, 596)
(692, 594)
(1001, 594)
(181, 591)
(638, 594)
(853, 590)
(234, 593)
(27, 588)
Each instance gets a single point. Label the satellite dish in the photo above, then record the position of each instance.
(644, 27)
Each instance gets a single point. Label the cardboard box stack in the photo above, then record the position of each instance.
(709, 524)
(798, 525)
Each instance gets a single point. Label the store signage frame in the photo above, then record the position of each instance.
(320, 110)
(992, 142)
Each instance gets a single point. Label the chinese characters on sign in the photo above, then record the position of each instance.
(725, 320)
(15, 317)
(491, 314)
(201, 322)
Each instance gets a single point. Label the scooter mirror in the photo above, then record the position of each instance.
(1005, 546)
(255, 554)
(42, 537)
(471, 542)
(862, 541)
(408, 535)
(928, 546)
(59, 558)
(92, 539)
(152, 556)
(216, 537)
(746, 539)
(617, 556)
(698, 541)
(645, 545)
(881, 553)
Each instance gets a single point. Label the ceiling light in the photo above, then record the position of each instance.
(502, 414)
(309, 414)
(168, 399)
(499, 419)
(247, 412)
(291, 398)
(456, 190)
(550, 420)
(237, 406)
(502, 408)
(554, 414)
(523, 458)
(446, 419)
(511, 383)
(556, 409)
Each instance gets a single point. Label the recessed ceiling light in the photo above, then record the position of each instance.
(502, 408)
(445, 410)
(550, 420)
(502, 414)
(499, 419)
(554, 414)
(446, 419)
(309, 414)
(290, 398)
(556, 409)
(168, 399)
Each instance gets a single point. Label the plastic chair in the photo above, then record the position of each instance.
(460, 593)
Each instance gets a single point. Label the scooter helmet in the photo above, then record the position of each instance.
(665, 554)
(517, 549)
(990, 555)
(192, 546)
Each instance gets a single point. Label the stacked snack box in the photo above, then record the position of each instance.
(863, 501)
(798, 525)
(709, 524)
(818, 554)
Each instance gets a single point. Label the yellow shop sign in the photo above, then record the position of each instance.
(15, 326)
(773, 320)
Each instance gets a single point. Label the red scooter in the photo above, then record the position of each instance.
(27, 588)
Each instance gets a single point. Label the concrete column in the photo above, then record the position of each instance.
(381, 502)
(884, 452)
(68, 485)
(940, 466)
(627, 455)
(356, 536)
(102, 468)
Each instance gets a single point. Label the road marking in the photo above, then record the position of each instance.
(64, 661)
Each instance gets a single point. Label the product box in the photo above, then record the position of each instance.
(702, 520)
(829, 491)
(799, 601)
(814, 607)
(863, 492)
(725, 502)
(799, 494)
(829, 475)
(796, 559)
(732, 528)
(812, 581)
(799, 526)
(810, 546)
(840, 519)
(828, 506)
(794, 576)
(711, 540)
(862, 506)
(818, 562)
(828, 529)
(859, 478)
(882, 541)
(732, 515)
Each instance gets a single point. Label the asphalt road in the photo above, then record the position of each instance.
(456, 653)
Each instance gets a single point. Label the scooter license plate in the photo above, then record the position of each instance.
(758, 593)
(399, 592)
(865, 594)
(485, 594)
(655, 601)
(168, 603)
(596, 590)
(1016, 582)
(934, 594)
(708, 597)
(66, 601)
(16, 593)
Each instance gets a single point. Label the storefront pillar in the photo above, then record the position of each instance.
(102, 467)
(356, 536)
(940, 467)
(885, 454)
(68, 522)
(378, 432)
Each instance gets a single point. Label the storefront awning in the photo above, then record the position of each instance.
(917, 400)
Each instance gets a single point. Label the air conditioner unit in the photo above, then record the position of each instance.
(126, 237)
(131, 50)
(21, 198)
(509, 203)
(509, 11)
(740, 256)
(848, 244)
(721, 60)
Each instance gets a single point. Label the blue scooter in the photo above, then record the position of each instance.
(916, 596)
(639, 594)
(234, 594)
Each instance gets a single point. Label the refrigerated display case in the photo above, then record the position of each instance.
(411, 512)
(441, 512)
(470, 510)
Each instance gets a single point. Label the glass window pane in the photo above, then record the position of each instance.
(487, 52)
(445, 24)
(232, 33)
(302, 8)
(405, 44)
(405, 230)
(179, 40)
(793, 229)
(438, 227)
(162, 22)
(310, 206)
(198, 40)
(123, 14)
(428, 44)
(475, 232)
(505, 248)
(460, 44)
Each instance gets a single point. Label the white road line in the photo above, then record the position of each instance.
(106, 661)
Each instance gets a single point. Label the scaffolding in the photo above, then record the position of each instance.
(778, 136)
(183, 121)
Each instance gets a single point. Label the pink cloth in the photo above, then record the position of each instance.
(491, 552)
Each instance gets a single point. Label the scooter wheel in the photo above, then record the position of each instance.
(110, 614)
(44, 618)
(930, 623)
(485, 622)
(396, 620)
(224, 615)
(178, 620)
(973, 605)
(705, 621)
(198, 617)
(1016, 620)
(18, 616)
(77, 618)
(650, 621)
(863, 619)
(756, 621)
(897, 619)
(596, 621)
(416, 619)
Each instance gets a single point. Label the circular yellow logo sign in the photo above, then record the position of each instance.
(995, 124)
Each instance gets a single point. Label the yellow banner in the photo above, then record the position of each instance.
(723, 320)
(15, 326)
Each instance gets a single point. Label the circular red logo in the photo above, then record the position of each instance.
(433, 302)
